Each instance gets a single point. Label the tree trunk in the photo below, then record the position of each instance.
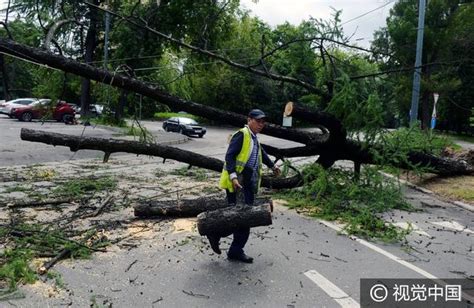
(136, 86)
(109, 146)
(425, 111)
(183, 207)
(119, 111)
(337, 133)
(6, 94)
(225, 221)
(317, 143)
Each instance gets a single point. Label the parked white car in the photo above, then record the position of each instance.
(6, 107)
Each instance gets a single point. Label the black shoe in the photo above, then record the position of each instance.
(242, 258)
(214, 241)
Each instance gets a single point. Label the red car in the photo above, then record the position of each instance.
(44, 109)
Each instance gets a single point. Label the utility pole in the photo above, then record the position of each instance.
(106, 36)
(415, 97)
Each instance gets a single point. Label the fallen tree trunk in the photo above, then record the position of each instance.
(179, 208)
(349, 150)
(354, 151)
(225, 221)
(109, 146)
(21, 51)
(183, 207)
(76, 143)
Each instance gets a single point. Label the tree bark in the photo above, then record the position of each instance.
(183, 207)
(6, 93)
(76, 143)
(337, 133)
(84, 70)
(226, 220)
(119, 111)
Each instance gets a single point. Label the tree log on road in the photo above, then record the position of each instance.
(183, 207)
(109, 146)
(226, 220)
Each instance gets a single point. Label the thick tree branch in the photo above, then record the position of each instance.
(76, 143)
(87, 71)
(52, 30)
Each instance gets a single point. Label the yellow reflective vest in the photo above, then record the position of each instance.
(241, 160)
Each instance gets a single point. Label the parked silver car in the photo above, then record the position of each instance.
(6, 107)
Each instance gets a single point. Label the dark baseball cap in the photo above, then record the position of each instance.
(256, 114)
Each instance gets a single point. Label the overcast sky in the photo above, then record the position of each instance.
(277, 12)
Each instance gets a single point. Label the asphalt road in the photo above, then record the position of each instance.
(299, 261)
(14, 151)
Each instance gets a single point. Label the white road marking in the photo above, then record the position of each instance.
(332, 290)
(381, 251)
(405, 226)
(394, 258)
(454, 225)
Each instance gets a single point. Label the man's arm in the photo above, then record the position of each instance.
(235, 146)
(267, 161)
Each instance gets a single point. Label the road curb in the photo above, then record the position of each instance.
(429, 192)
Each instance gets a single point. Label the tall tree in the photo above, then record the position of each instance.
(442, 69)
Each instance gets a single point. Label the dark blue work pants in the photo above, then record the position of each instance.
(248, 189)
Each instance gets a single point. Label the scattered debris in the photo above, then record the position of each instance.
(130, 265)
(195, 294)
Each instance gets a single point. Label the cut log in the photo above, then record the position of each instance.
(183, 207)
(226, 220)
(337, 133)
(179, 208)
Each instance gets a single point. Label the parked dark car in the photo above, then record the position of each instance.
(184, 126)
(44, 109)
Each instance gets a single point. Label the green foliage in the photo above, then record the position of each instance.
(78, 187)
(58, 280)
(109, 121)
(15, 267)
(16, 188)
(197, 174)
(167, 115)
(143, 133)
(28, 241)
(405, 140)
(335, 195)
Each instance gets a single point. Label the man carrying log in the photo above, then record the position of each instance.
(241, 174)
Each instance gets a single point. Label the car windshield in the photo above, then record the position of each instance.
(187, 121)
(24, 102)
